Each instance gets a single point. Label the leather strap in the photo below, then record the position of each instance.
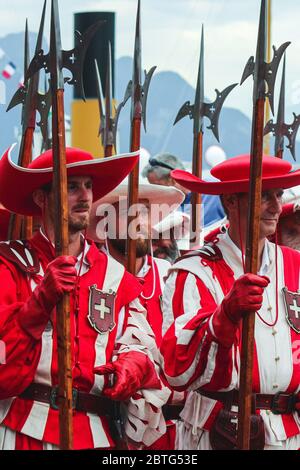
(280, 403)
(172, 411)
(82, 401)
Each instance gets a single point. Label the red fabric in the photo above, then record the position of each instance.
(234, 176)
(246, 295)
(24, 352)
(212, 236)
(184, 372)
(132, 371)
(79, 163)
(180, 357)
(27, 443)
(287, 209)
(60, 277)
(4, 224)
(165, 442)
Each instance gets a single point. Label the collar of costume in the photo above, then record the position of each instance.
(17, 183)
(233, 176)
(41, 243)
(236, 254)
(145, 268)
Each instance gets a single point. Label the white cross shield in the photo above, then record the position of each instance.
(101, 310)
(292, 305)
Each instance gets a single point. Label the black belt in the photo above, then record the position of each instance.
(172, 411)
(281, 403)
(81, 401)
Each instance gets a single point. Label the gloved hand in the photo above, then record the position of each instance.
(59, 278)
(246, 295)
(132, 371)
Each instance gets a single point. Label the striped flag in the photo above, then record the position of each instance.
(21, 82)
(9, 70)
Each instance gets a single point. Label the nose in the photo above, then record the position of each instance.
(85, 193)
(276, 203)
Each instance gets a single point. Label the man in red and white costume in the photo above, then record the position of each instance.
(205, 298)
(155, 202)
(112, 343)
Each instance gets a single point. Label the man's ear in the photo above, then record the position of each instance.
(39, 197)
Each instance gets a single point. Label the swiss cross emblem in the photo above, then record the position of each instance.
(101, 310)
(292, 304)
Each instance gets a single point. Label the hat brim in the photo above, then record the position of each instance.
(17, 183)
(197, 185)
(154, 193)
(166, 198)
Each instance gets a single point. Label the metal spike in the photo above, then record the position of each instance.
(57, 80)
(39, 41)
(145, 91)
(110, 138)
(28, 93)
(136, 107)
(186, 110)
(137, 63)
(260, 58)
(108, 88)
(127, 95)
(200, 108)
(26, 49)
(199, 97)
(280, 129)
(263, 73)
(291, 133)
(101, 102)
(279, 139)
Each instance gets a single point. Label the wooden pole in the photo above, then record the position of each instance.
(196, 198)
(133, 192)
(252, 266)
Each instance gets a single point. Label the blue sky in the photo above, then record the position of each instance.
(171, 35)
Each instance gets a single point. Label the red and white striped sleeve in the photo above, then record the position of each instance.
(192, 356)
(145, 422)
(22, 351)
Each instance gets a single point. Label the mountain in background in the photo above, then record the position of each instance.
(168, 91)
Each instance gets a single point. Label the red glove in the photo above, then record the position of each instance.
(246, 295)
(60, 277)
(132, 371)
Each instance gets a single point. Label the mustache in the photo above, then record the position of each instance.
(81, 206)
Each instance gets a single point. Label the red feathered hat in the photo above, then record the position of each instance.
(17, 184)
(233, 176)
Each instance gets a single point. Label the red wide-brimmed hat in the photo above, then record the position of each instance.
(233, 176)
(17, 184)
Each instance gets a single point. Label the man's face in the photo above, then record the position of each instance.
(165, 249)
(289, 228)
(80, 198)
(271, 207)
(139, 229)
(154, 179)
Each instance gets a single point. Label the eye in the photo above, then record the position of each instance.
(72, 186)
